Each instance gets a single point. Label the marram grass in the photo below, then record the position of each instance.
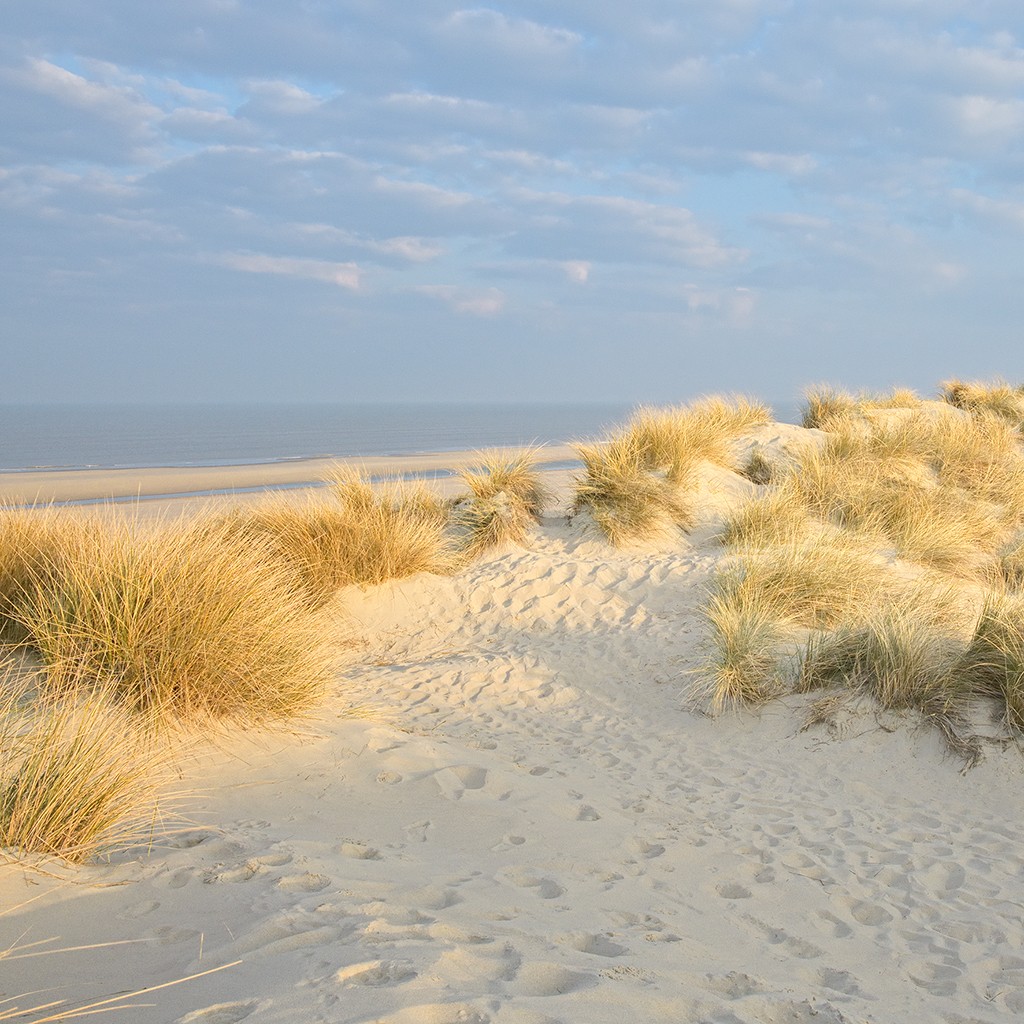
(352, 534)
(506, 497)
(634, 483)
(628, 503)
(183, 625)
(993, 663)
(392, 531)
(77, 776)
(742, 668)
(996, 397)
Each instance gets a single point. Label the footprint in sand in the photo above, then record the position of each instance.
(221, 1013)
(733, 891)
(544, 979)
(376, 973)
(359, 851)
(867, 913)
(595, 944)
(547, 888)
(307, 882)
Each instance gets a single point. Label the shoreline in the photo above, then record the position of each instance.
(43, 487)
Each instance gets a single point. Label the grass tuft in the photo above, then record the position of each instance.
(997, 397)
(804, 583)
(506, 497)
(627, 502)
(743, 667)
(391, 532)
(994, 660)
(758, 469)
(182, 624)
(77, 776)
(825, 406)
(773, 518)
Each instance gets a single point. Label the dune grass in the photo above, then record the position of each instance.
(997, 397)
(1011, 563)
(28, 540)
(923, 485)
(634, 482)
(77, 777)
(182, 624)
(773, 518)
(392, 531)
(894, 476)
(628, 503)
(805, 583)
(675, 440)
(506, 497)
(825, 406)
(898, 657)
(759, 469)
(742, 667)
(354, 534)
(993, 663)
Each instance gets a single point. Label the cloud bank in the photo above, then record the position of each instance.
(525, 200)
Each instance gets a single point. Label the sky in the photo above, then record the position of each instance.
(569, 200)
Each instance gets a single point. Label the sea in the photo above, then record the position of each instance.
(61, 437)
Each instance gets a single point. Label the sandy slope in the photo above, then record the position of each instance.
(528, 826)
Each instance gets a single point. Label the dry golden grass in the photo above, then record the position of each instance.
(898, 398)
(904, 663)
(391, 531)
(805, 583)
(675, 440)
(355, 534)
(825, 406)
(507, 496)
(77, 776)
(508, 471)
(759, 469)
(633, 483)
(742, 669)
(774, 518)
(898, 657)
(627, 502)
(914, 485)
(1011, 563)
(182, 624)
(28, 538)
(997, 397)
(993, 663)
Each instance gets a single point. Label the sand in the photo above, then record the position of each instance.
(507, 813)
(41, 486)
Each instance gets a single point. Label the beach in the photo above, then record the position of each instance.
(508, 809)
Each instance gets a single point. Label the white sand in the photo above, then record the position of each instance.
(41, 486)
(528, 826)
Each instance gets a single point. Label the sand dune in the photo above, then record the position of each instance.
(522, 823)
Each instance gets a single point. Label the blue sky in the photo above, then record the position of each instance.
(568, 200)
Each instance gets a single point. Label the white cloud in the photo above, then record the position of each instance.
(1003, 213)
(409, 248)
(485, 27)
(577, 271)
(794, 164)
(477, 302)
(345, 275)
(989, 117)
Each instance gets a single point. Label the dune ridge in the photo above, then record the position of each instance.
(509, 809)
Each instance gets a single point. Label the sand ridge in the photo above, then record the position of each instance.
(526, 824)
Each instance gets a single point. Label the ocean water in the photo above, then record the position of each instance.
(109, 436)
